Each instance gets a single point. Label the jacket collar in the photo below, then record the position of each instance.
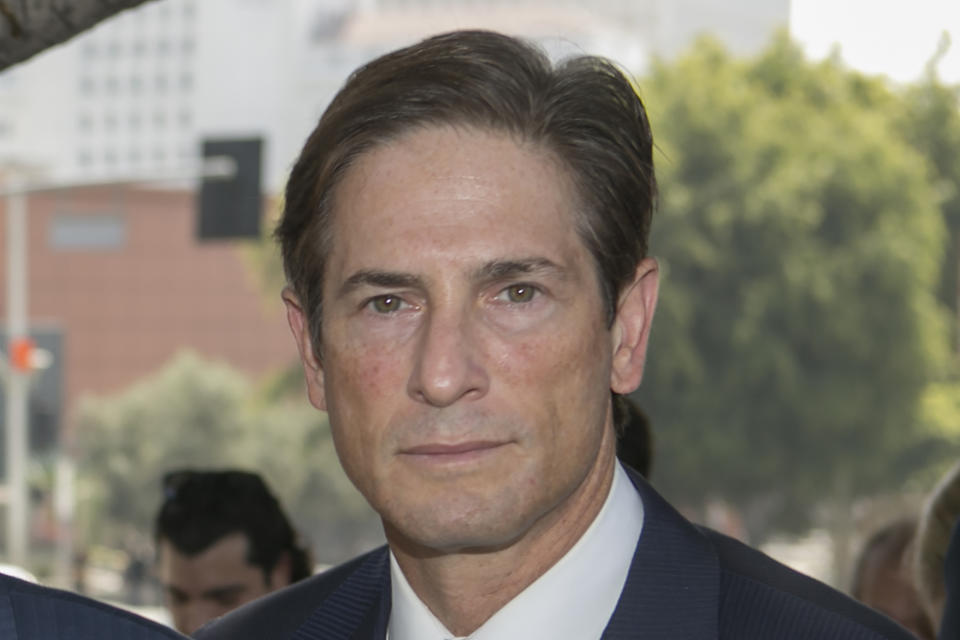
(673, 589)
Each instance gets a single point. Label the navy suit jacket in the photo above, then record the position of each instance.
(32, 612)
(685, 583)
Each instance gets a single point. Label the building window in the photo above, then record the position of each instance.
(85, 122)
(186, 81)
(87, 85)
(159, 119)
(133, 121)
(160, 82)
(136, 84)
(89, 232)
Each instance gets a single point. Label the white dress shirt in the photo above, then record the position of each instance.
(573, 600)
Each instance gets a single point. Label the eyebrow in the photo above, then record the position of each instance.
(226, 590)
(376, 278)
(506, 269)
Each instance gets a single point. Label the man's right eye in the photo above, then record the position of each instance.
(386, 304)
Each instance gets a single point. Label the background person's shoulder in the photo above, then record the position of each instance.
(35, 611)
(281, 613)
(762, 598)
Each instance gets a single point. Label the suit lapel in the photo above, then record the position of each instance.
(358, 609)
(672, 590)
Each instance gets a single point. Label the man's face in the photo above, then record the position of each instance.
(466, 361)
(204, 586)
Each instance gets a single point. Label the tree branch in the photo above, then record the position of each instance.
(29, 27)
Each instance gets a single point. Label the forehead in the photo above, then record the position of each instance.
(220, 562)
(455, 190)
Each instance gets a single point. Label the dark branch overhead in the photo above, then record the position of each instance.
(27, 27)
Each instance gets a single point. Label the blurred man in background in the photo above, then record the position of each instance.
(222, 540)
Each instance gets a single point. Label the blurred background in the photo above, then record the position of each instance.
(804, 380)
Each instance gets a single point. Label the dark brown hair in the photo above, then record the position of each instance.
(584, 110)
(201, 507)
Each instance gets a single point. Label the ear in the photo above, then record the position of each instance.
(631, 327)
(282, 573)
(312, 369)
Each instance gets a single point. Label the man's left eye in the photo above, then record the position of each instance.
(519, 293)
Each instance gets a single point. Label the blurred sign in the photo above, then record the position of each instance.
(231, 207)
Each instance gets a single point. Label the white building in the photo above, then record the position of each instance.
(139, 92)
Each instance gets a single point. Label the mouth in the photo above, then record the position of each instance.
(459, 452)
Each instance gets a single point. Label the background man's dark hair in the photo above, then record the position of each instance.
(584, 112)
(201, 507)
(634, 435)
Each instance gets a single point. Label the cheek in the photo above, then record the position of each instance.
(359, 402)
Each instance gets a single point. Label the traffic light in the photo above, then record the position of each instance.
(231, 207)
(43, 353)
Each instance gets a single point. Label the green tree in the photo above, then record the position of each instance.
(930, 121)
(194, 413)
(801, 239)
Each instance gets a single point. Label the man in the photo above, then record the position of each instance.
(31, 612)
(222, 540)
(465, 239)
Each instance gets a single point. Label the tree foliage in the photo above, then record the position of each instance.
(201, 414)
(801, 239)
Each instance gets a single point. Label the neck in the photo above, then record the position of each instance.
(465, 588)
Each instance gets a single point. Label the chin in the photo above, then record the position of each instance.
(458, 531)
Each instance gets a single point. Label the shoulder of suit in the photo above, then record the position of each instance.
(47, 600)
(281, 613)
(761, 597)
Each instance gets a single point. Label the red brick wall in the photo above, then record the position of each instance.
(125, 312)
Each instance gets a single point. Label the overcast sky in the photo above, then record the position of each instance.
(892, 37)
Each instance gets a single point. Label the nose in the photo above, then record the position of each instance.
(447, 362)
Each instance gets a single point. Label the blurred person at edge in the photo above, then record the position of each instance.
(222, 540)
(634, 435)
(29, 611)
(937, 520)
(465, 241)
(883, 577)
(950, 623)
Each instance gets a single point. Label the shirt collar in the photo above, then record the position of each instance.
(573, 600)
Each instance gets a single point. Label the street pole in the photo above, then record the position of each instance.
(16, 381)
